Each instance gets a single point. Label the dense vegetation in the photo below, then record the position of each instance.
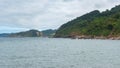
(95, 23)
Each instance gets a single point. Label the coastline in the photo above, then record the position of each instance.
(91, 37)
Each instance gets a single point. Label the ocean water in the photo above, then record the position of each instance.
(59, 53)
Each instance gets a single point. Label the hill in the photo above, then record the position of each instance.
(4, 35)
(48, 33)
(30, 33)
(95, 24)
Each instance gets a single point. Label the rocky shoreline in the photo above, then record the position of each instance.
(92, 37)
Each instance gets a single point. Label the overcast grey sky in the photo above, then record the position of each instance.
(20, 15)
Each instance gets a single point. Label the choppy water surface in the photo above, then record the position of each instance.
(58, 53)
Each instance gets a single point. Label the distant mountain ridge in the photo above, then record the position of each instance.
(4, 35)
(31, 33)
(95, 24)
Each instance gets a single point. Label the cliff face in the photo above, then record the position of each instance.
(93, 25)
(30, 33)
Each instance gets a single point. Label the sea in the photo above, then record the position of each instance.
(38, 52)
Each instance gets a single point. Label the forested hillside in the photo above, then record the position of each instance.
(93, 24)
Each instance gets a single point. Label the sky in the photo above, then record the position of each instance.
(21, 15)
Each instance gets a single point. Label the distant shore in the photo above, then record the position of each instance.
(91, 37)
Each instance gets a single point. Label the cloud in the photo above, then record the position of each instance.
(46, 14)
